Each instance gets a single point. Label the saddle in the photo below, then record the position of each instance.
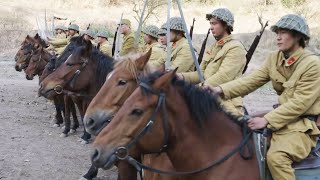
(261, 141)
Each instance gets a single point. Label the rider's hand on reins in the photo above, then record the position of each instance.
(213, 90)
(257, 123)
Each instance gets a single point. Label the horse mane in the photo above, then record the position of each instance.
(200, 102)
(74, 43)
(104, 66)
(128, 62)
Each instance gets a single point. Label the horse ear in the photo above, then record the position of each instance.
(165, 80)
(37, 36)
(143, 60)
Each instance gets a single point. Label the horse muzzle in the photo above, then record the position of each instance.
(95, 122)
(105, 159)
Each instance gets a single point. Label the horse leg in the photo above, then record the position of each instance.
(74, 117)
(67, 123)
(59, 110)
(86, 136)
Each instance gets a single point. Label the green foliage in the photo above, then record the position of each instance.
(292, 3)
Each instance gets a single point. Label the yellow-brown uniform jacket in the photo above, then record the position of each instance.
(296, 81)
(128, 44)
(106, 48)
(62, 43)
(223, 62)
(181, 56)
(158, 54)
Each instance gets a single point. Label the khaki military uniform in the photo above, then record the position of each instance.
(296, 81)
(224, 62)
(181, 56)
(62, 43)
(128, 44)
(106, 49)
(158, 55)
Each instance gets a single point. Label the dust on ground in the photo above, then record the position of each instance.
(31, 148)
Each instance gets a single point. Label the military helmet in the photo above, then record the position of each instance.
(176, 23)
(222, 14)
(151, 30)
(64, 28)
(59, 27)
(73, 27)
(293, 22)
(103, 33)
(163, 29)
(90, 33)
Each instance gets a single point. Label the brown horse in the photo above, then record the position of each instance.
(38, 61)
(23, 55)
(120, 84)
(183, 120)
(87, 83)
(81, 77)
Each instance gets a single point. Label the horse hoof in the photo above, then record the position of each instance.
(56, 125)
(72, 131)
(63, 135)
(84, 142)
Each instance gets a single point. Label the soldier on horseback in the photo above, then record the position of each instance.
(150, 37)
(103, 44)
(294, 73)
(224, 61)
(128, 38)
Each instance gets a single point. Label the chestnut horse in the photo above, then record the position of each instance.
(186, 122)
(120, 84)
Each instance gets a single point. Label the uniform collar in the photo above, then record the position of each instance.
(293, 58)
(224, 40)
(178, 42)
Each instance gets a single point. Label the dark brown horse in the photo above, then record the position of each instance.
(120, 84)
(38, 61)
(81, 76)
(183, 120)
(86, 85)
(23, 55)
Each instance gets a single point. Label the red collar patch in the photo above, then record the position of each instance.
(220, 42)
(291, 60)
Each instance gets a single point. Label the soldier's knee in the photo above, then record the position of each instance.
(277, 158)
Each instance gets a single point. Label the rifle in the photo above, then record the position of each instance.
(114, 41)
(191, 28)
(254, 45)
(88, 27)
(203, 47)
(116, 51)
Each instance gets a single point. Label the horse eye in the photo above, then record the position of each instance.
(122, 82)
(137, 112)
(69, 65)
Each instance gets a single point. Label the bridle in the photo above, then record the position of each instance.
(122, 153)
(71, 82)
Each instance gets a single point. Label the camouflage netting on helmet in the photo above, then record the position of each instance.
(222, 14)
(176, 23)
(163, 29)
(151, 30)
(293, 22)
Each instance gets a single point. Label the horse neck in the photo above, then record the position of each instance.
(45, 60)
(217, 136)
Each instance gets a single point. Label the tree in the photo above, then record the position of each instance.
(152, 9)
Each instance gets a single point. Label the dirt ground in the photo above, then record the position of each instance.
(30, 147)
